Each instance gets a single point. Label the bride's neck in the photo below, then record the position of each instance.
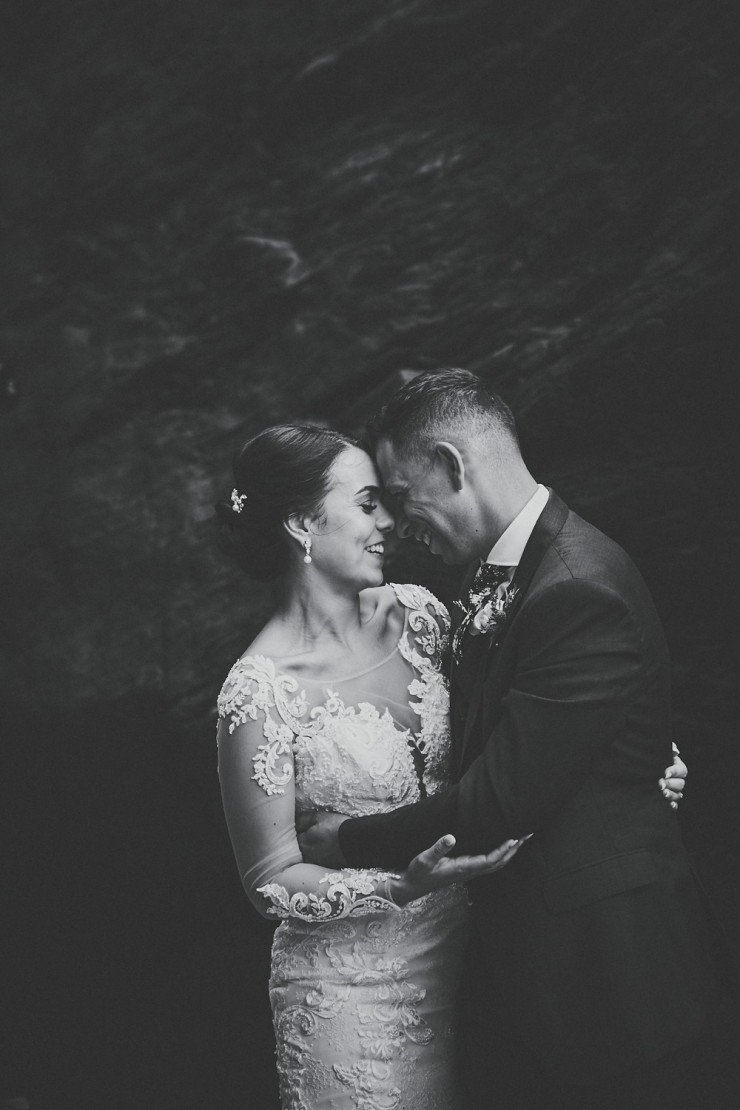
(320, 611)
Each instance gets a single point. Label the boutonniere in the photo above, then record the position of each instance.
(485, 614)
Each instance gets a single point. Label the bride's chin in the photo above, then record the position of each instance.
(376, 579)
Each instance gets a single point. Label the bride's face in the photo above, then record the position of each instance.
(348, 538)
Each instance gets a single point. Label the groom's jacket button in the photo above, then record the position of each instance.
(603, 879)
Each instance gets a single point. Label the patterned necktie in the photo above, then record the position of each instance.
(489, 576)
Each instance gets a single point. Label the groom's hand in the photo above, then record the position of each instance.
(433, 869)
(318, 839)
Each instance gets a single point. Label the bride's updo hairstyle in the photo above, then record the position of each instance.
(282, 470)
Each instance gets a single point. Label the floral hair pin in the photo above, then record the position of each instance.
(237, 500)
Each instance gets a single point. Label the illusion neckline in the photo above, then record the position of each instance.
(358, 674)
(366, 670)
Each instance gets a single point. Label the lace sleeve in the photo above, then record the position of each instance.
(260, 713)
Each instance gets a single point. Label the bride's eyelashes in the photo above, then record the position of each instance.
(369, 506)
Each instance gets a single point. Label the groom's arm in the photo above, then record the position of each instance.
(580, 656)
(391, 840)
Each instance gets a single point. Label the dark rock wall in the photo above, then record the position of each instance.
(219, 214)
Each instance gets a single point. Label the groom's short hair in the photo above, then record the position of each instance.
(436, 404)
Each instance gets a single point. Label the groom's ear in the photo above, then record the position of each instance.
(453, 463)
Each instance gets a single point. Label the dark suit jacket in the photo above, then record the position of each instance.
(591, 942)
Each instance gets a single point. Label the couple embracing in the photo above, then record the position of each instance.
(483, 894)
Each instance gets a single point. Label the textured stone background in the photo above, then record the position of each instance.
(218, 214)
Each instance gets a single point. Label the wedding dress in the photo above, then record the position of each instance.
(363, 993)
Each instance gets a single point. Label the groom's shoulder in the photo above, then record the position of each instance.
(581, 550)
(579, 534)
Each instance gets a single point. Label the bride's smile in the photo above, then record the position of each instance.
(348, 536)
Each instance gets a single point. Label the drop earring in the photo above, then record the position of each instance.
(307, 544)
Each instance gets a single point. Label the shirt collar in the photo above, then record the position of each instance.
(509, 547)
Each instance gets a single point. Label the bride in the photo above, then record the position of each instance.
(341, 703)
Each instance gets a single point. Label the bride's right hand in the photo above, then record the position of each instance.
(433, 868)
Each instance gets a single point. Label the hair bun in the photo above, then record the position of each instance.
(283, 470)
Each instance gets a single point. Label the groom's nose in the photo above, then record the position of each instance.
(403, 528)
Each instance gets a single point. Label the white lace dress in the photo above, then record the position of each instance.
(363, 994)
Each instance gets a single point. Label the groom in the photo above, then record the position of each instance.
(589, 951)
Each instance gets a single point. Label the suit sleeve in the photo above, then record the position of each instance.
(579, 654)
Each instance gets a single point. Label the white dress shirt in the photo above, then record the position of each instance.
(509, 547)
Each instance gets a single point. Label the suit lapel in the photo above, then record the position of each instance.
(548, 526)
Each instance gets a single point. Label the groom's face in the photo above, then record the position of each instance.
(425, 503)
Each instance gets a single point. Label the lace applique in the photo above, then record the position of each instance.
(432, 631)
(349, 893)
(390, 1015)
(361, 1013)
(370, 1083)
(429, 688)
(354, 759)
(253, 686)
(299, 1072)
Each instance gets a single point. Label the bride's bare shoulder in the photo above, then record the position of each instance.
(379, 603)
(270, 641)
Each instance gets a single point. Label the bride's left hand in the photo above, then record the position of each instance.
(433, 869)
(674, 780)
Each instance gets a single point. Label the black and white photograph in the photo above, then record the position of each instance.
(369, 555)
